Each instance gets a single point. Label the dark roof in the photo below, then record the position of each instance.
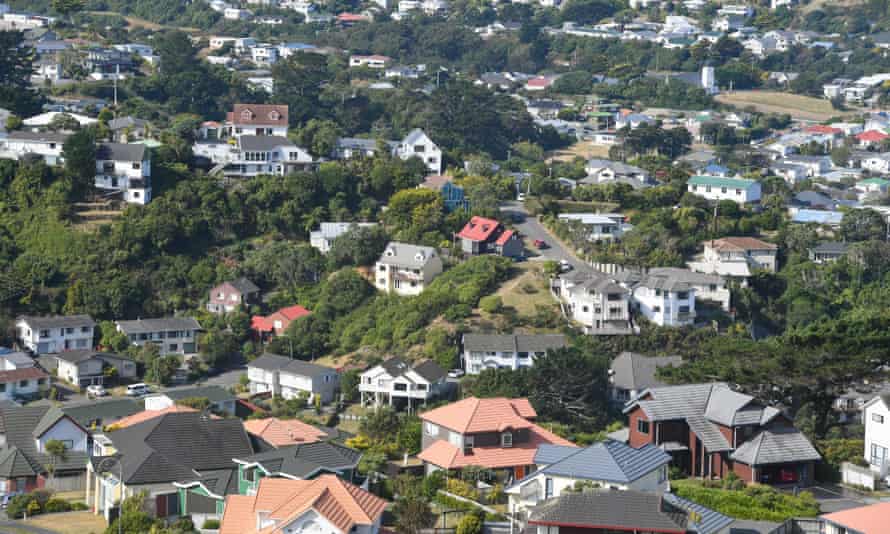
(831, 247)
(142, 326)
(244, 285)
(57, 321)
(705, 520)
(274, 362)
(611, 461)
(43, 137)
(634, 371)
(212, 393)
(120, 152)
(307, 459)
(220, 482)
(776, 446)
(172, 447)
(79, 355)
(429, 370)
(102, 411)
(513, 342)
(21, 426)
(263, 142)
(610, 510)
(126, 122)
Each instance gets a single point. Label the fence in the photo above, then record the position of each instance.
(854, 475)
(68, 482)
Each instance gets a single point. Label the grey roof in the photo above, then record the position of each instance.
(610, 510)
(776, 446)
(609, 460)
(21, 425)
(831, 247)
(513, 342)
(674, 402)
(306, 459)
(634, 371)
(166, 324)
(589, 280)
(79, 355)
(744, 526)
(102, 412)
(705, 520)
(219, 481)
(39, 137)
(18, 359)
(120, 152)
(275, 362)
(406, 255)
(126, 122)
(172, 447)
(430, 371)
(333, 230)
(550, 454)
(263, 142)
(356, 143)
(212, 393)
(677, 275)
(708, 433)
(244, 285)
(57, 321)
(723, 405)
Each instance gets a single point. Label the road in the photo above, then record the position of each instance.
(226, 379)
(532, 229)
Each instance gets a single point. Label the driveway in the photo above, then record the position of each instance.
(532, 230)
(833, 498)
(227, 378)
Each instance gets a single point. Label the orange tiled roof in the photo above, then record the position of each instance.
(472, 415)
(239, 516)
(283, 432)
(147, 415)
(445, 455)
(871, 519)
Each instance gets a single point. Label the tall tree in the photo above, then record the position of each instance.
(79, 152)
(16, 68)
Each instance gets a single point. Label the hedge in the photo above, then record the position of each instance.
(756, 502)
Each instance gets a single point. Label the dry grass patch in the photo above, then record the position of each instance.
(84, 522)
(798, 106)
(527, 291)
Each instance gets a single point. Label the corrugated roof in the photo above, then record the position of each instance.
(705, 520)
(406, 255)
(720, 181)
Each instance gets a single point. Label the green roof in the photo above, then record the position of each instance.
(719, 181)
(875, 181)
(600, 114)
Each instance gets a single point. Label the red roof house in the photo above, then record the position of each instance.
(823, 129)
(871, 137)
(487, 236)
(276, 323)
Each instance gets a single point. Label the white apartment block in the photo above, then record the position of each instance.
(172, 335)
(125, 168)
(876, 418)
(665, 301)
(717, 188)
(602, 226)
(595, 301)
(406, 269)
(506, 351)
(53, 334)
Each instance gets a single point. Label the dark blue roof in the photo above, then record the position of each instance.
(550, 454)
(610, 461)
(709, 520)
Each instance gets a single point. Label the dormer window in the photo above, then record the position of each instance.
(390, 252)
(419, 256)
(274, 115)
(506, 440)
(246, 115)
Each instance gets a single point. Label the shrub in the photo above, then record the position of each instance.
(469, 524)
(79, 506)
(756, 502)
(17, 506)
(33, 507)
(210, 524)
(57, 505)
(491, 304)
(462, 489)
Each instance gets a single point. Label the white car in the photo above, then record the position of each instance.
(455, 373)
(565, 266)
(96, 390)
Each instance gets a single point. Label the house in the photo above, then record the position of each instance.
(44, 120)
(736, 257)
(275, 324)
(154, 454)
(602, 171)
(872, 187)
(487, 236)
(96, 414)
(828, 252)
(326, 504)
(876, 418)
(329, 231)
(716, 188)
(494, 433)
(370, 62)
(609, 464)
(664, 298)
(828, 218)
(870, 138)
(406, 269)
(26, 430)
(630, 374)
(126, 129)
(711, 431)
(141, 416)
(220, 399)
(879, 163)
(83, 367)
(815, 165)
(284, 432)
(249, 119)
(506, 351)
(602, 226)
(452, 194)
(869, 519)
(287, 378)
(600, 510)
(47, 145)
(124, 168)
(415, 144)
(707, 287)
(539, 83)
(397, 383)
(791, 173)
(54, 333)
(23, 383)
(595, 301)
(256, 155)
(233, 295)
(172, 335)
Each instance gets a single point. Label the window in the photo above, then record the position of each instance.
(41, 381)
(522, 355)
(44, 333)
(642, 426)
(723, 190)
(684, 309)
(584, 309)
(421, 387)
(137, 166)
(327, 379)
(878, 455)
(430, 429)
(24, 383)
(455, 439)
(656, 309)
(548, 488)
(506, 439)
(738, 192)
(419, 149)
(69, 330)
(683, 295)
(2, 388)
(84, 329)
(68, 443)
(247, 474)
(469, 443)
(877, 418)
(657, 292)
(712, 287)
(707, 189)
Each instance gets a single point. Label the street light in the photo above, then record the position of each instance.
(120, 482)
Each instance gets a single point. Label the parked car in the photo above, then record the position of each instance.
(565, 266)
(455, 373)
(540, 244)
(96, 390)
(137, 390)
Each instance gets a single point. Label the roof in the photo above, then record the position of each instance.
(776, 446)
(479, 229)
(126, 122)
(267, 323)
(429, 370)
(212, 393)
(705, 520)
(610, 510)
(333, 230)
(57, 321)
(274, 362)
(259, 114)
(281, 432)
(505, 236)
(26, 373)
(80, 355)
(708, 433)
(144, 326)
(406, 255)
(104, 411)
(591, 281)
(818, 216)
(634, 371)
(872, 135)
(141, 416)
(219, 482)
(473, 414)
(343, 504)
(740, 244)
(436, 181)
(243, 285)
(175, 445)
(720, 181)
(305, 460)
(120, 152)
(609, 460)
(674, 402)
(21, 425)
(831, 247)
(513, 342)
(263, 143)
(871, 519)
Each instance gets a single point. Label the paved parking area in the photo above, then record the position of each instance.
(833, 498)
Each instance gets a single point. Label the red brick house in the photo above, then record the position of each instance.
(711, 431)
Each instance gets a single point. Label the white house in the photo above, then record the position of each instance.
(85, 367)
(264, 54)
(172, 335)
(397, 383)
(879, 163)
(736, 257)
(47, 145)
(600, 171)
(20, 377)
(665, 300)
(55, 333)
(418, 144)
(595, 301)
(284, 377)
(602, 226)
(371, 62)
(876, 418)
(506, 351)
(255, 155)
(234, 13)
(125, 168)
(329, 231)
(717, 188)
(406, 269)
(220, 399)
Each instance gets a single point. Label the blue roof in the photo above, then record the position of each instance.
(715, 168)
(610, 461)
(710, 521)
(818, 216)
(550, 454)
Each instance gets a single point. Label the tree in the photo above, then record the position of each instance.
(133, 518)
(863, 225)
(413, 514)
(79, 152)
(357, 246)
(469, 524)
(57, 453)
(63, 122)
(568, 385)
(380, 424)
(16, 69)
(67, 7)
(218, 347)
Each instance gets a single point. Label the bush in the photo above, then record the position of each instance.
(756, 502)
(462, 489)
(33, 508)
(491, 304)
(469, 524)
(57, 505)
(79, 506)
(210, 524)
